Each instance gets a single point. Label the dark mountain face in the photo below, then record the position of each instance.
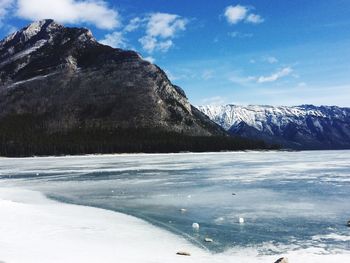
(63, 92)
(300, 127)
(69, 80)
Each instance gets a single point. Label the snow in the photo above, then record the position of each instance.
(35, 229)
(22, 37)
(262, 117)
(86, 36)
(33, 29)
(29, 80)
(24, 52)
(27, 33)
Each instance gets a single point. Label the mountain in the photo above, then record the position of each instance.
(63, 92)
(298, 127)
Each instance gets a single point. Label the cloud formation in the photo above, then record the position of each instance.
(270, 59)
(158, 31)
(254, 19)
(275, 76)
(150, 59)
(235, 14)
(151, 44)
(134, 24)
(237, 34)
(239, 13)
(161, 28)
(115, 39)
(165, 25)
(96, 12)
(5, 6)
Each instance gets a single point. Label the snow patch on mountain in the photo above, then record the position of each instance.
(305, 126)
(25, 52)
(258, 115)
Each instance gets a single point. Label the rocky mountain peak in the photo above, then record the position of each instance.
(22, 53)
(40, 30)
(43, 26)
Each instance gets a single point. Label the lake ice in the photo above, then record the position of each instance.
(290, 201)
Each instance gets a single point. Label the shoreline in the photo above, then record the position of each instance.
(154, 154)
(171, 153)
(36, 229)
(165, 154)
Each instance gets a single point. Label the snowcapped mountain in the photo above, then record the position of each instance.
(297, 127)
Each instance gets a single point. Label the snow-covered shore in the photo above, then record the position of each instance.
(36, 229)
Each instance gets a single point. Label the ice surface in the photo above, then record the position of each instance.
(35, 229)
(295, 204)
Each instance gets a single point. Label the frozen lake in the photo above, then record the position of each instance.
(290, 201)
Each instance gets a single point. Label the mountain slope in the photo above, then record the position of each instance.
(299, 127)
(89, 83)
(63, 92)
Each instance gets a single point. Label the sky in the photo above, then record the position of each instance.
(267, 52)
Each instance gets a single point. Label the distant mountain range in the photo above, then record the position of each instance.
(62, 92)
(299, 127)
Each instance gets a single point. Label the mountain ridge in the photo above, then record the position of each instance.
(45, 49)
(297, 127)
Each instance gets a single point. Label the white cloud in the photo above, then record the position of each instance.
(161, 28)
(254, 19)
(159, 31)
(270, 59)
(115, 39)
(151, 44)
(275, 76)
(237, 34)
(235, 14)
(150, 59)
(134, 24)
(239, 13)
(96, 12)
(5, 6)
(165, 25)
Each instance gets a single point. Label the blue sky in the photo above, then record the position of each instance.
(278, 52)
